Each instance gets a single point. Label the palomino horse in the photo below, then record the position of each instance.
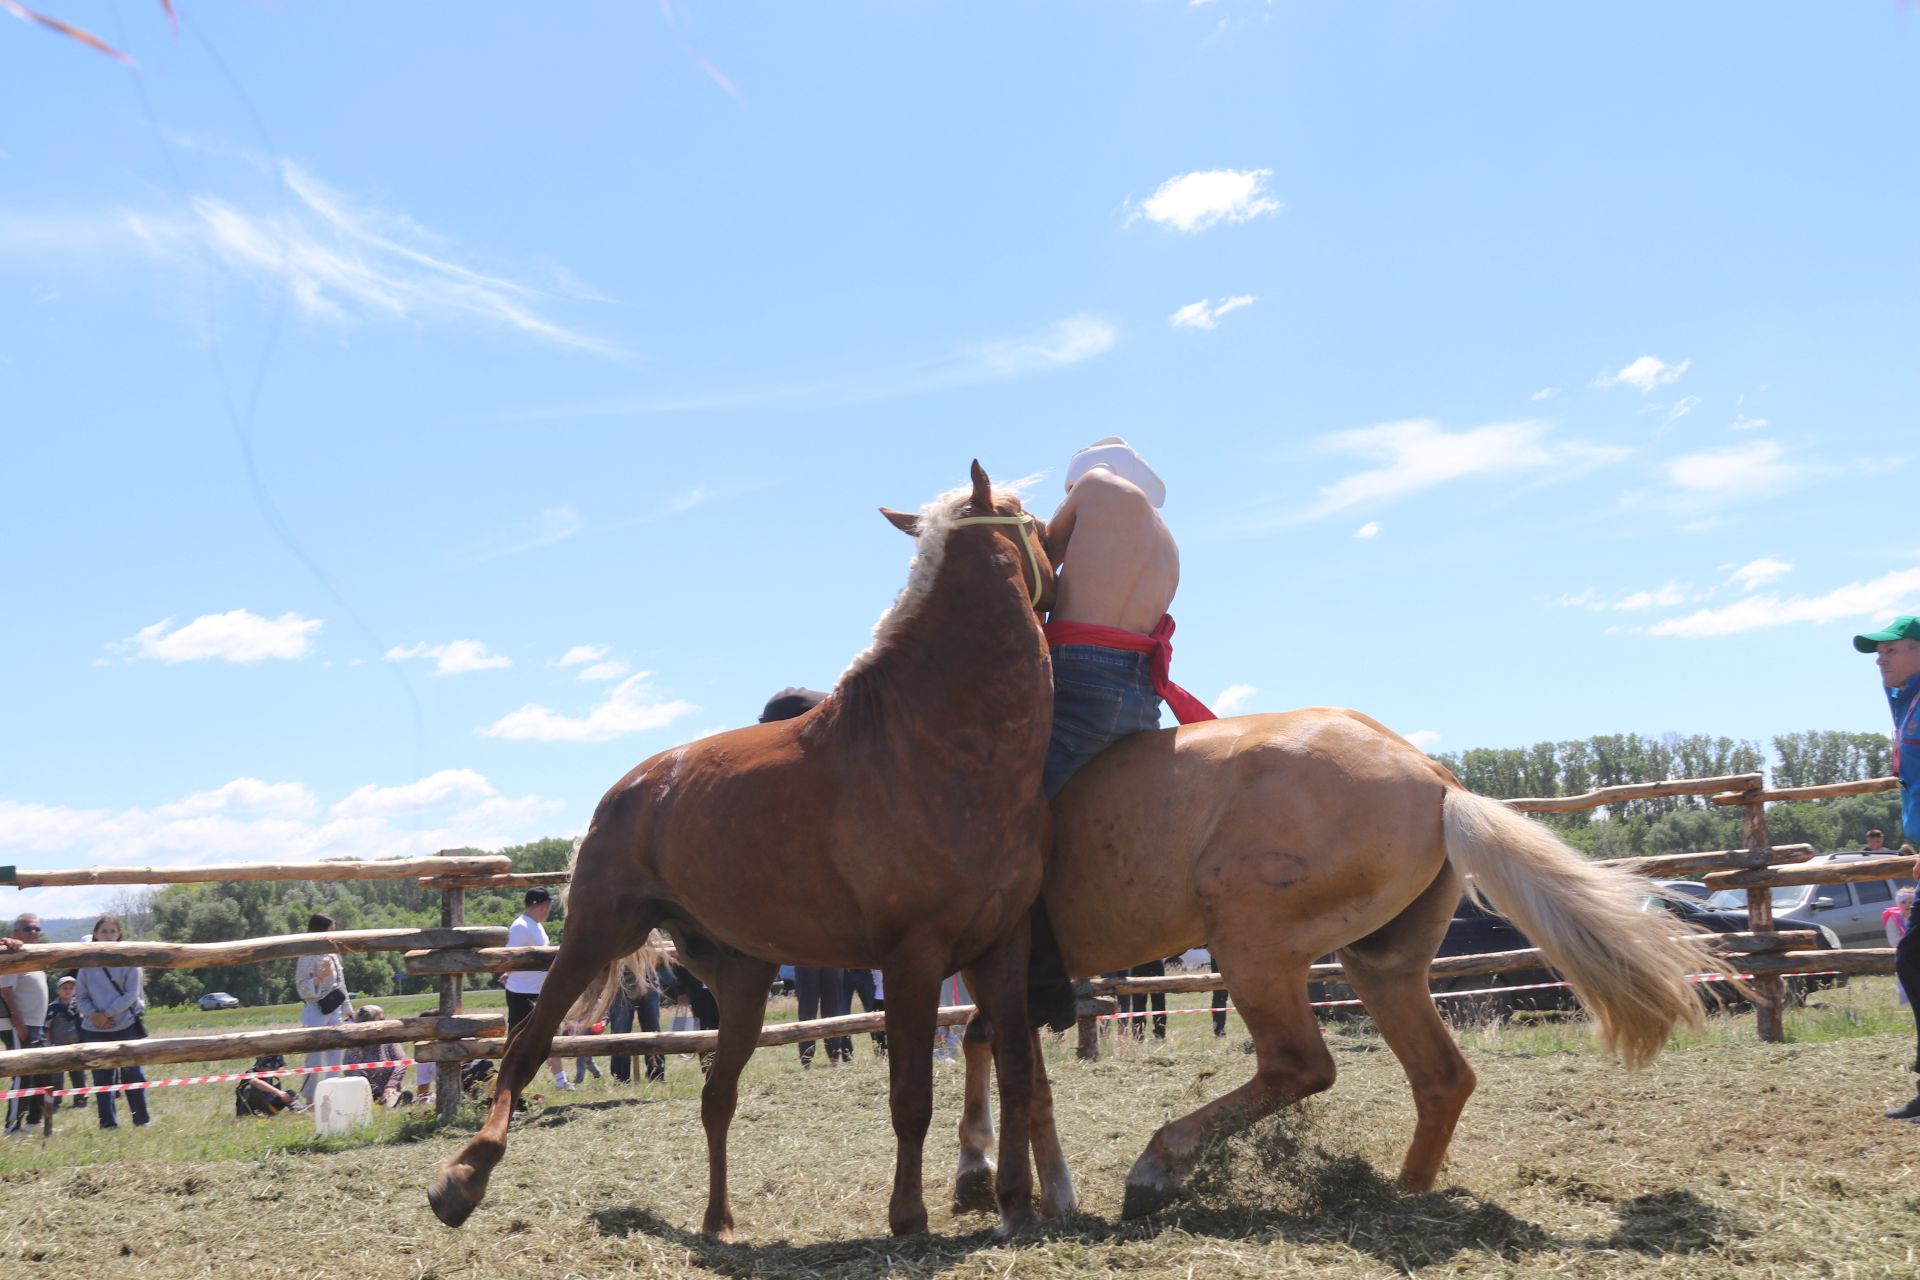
(899, 825)
(1279, 838)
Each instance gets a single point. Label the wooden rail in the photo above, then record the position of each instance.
(1852, 871)
(209, 955)
(244, 1044)
(1739, 782)
(1678, 865)
(1825, 791)
(386, 869)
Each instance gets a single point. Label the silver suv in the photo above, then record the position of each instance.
(1851, 911)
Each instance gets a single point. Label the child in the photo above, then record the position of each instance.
(63, 1027)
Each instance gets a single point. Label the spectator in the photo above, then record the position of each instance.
(702, 1010)
(321, 984)
(523, 985)
(379, 1064)
(63, 1027)
(870, 986)
(1896, 920)
(639, 997)
(112, 1006)
(23, 1001)
(1219, 1000)
(820, 993)
(1137, 1005)
(262, 1096)
(1898, 658)
(1876, 841)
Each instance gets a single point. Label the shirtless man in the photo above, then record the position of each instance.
(1111, 640)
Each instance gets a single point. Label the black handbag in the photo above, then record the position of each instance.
(332, 1000)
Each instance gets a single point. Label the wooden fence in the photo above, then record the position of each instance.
(454, 949)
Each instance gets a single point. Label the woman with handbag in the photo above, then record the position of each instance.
(321, 982)
(111, 1004)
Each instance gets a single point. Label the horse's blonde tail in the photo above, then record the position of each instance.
(1626, 964)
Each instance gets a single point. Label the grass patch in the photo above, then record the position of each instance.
(1725, 1157)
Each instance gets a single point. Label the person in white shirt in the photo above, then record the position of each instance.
(321, 984)
(523, 985)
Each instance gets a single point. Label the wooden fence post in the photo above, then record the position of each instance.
(1769, 989)
(446, 1084)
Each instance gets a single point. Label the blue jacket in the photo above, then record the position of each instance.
(1905, 702)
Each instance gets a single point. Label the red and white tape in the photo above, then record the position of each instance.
(223, 1078)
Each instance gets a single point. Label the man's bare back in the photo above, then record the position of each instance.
(1119, 565)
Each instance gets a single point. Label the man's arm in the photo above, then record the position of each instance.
(1060, 528)
(6, 1006)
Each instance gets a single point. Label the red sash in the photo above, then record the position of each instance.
(1159, 643)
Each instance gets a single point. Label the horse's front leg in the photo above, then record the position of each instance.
(973, 1178)
(999, 982)
(740, 985)
(912, 996)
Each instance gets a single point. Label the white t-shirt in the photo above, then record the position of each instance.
(26, 992)
(526, 932)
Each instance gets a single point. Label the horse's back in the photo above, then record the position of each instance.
(1317, 812)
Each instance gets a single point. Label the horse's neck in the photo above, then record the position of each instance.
(973, 645)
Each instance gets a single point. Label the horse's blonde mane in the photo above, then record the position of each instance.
(929, 548)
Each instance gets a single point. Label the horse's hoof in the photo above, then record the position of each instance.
(913, 1223)
(449, 1199)
(722, 1234)
(1017, 1223)
(1051, 1209)
(1150, 1188)
(973, 1189)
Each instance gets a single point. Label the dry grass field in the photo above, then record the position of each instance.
(1726, 1158)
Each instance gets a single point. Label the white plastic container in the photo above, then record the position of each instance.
(342, 1104)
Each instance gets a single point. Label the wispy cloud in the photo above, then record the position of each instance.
(1544, 393)
(629, 708)
(1757, 573)
(1371, 529)
(1195, 201)
(1747, 469)
(337, 259)
(1419, 455)
(454, 658)
(1644, 374)
(1067, 342)
(1666, 595)
(1205, 314)
(234, 636)
(1422, 738)
(1742, 422)
(235, 821)
(552, 525)
(1888, 595)
(581, 654)
(1234, 699)
(1679, 409)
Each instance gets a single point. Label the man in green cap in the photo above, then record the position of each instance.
(1898, 647)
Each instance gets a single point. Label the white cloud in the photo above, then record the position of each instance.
(1892, 594)
(1368, 530)
(346, 262)
(1545, 393)
(1420, 455)
(552, 525)
(1741, 469)
(1422, 738)
(434, 791)
(1680, 409)
(1757, 573)
(1587, 599)
(611, 670)
(1742, 422)
(1645, 374)
(581, 654)
(1204, 315)
(1234, 699)
(454, 658)
(627, 709)
(235, 636)
(1664, 596)
(1077, 338)
(236, 821)
(1195, 201)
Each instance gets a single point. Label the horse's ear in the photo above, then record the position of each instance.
(909, 525)
(982, 490)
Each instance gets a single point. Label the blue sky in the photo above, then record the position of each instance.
(416, 416)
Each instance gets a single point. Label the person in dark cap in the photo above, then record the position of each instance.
(1897, 650)
(523, 985)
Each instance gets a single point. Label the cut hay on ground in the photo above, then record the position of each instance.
(1727, 1157)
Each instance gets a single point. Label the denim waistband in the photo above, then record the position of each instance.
(1109, 662)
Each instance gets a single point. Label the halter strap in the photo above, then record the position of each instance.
(1025, 521)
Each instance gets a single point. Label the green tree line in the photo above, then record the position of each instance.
(227, 910)
(1679, 824)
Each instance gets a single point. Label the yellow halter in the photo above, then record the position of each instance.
(1025, 521)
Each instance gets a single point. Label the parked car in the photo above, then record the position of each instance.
(1686, 888)
(217, 1000)
(1850, 911)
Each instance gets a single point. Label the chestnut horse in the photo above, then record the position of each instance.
(899, 825)
(1276, 839)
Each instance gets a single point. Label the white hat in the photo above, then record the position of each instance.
(1117, 456)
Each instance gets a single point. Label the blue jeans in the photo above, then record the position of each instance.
(136, 1098)
(1099, 697)
(620, 1021)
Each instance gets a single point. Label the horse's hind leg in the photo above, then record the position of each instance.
(1057, 1196)
(740, 985)
(1388, 971)
(1291, 1063)
(973, 1179)
(604, 927)
(999, 983)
